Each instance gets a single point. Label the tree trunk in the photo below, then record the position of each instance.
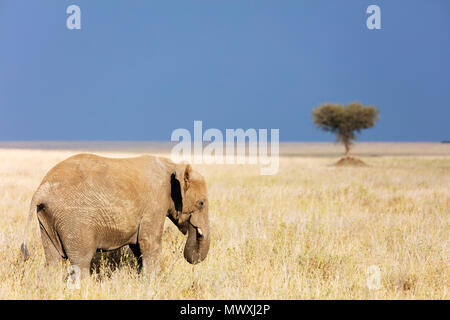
(347, 149)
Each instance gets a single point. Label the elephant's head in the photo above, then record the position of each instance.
(190, 214)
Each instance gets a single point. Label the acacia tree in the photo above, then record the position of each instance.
(345, 121)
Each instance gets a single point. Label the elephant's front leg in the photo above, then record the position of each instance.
(150, 244)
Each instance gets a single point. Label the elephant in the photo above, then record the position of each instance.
(88, 203)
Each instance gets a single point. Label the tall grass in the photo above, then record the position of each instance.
(309, 232)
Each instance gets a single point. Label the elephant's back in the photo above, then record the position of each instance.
(80, 167)
(84, 179)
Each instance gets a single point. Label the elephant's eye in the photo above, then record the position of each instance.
(200, 203)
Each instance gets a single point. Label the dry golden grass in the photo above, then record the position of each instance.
(309, 232)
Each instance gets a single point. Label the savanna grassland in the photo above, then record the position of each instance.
(309, 232)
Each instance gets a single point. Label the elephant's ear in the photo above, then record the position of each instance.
(179, 181)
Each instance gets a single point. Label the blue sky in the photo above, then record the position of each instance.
(137, 70)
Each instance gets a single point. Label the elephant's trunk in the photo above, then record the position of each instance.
(197, 244)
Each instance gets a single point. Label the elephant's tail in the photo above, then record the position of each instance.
(34, 208)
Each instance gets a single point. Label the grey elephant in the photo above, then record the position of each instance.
(87, 202)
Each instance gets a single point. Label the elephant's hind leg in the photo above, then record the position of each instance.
(82, 260)
(80, 254)
(52, 255)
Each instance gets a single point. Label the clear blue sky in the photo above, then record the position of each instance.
(139, 69)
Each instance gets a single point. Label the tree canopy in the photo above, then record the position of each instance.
(345, 121)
